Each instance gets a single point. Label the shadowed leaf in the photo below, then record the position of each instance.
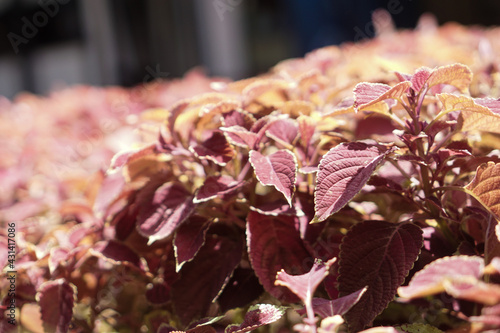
(202, 279)
(160, 214)
(216, 149)
(189, 238)
(216, 186)
(275, 244)
(379, 255)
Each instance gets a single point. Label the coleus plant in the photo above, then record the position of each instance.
(268, 202)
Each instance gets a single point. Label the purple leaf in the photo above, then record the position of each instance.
(216, 186)
(329, 308)
(420, 78)
(283, 131)
(238, 118)
(278, 169)
(189, 238)
(305, 285)
(216, 149)
(116, 253)
(158, 293)
(240, 136)
(242, 289)
(258, 315)
(202, 279)
(343, 171)
(379, 255)
(430, 280)
(160, 214)
(56, 299)
(274, 244)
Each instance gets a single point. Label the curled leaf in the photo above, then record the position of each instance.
(278, 169)
(485, 187)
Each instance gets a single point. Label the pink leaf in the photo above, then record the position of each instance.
(305, 285)
(366, 95)
(216, 186)
(278, 169)
(420, 78)
(258, 315)
(471, 289)
(430, 280)
(329, 308)
(56, 299)
(216, 149)
(274, 244)
(379, 255)
(239, 118)
(307, 128)
(162, 213)
(343, 171)
(189, 238)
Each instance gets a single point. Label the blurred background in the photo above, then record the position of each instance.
(50, 44)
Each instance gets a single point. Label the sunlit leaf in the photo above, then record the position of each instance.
(457, 75)
(257, 315)
(305, 285)
(278, 169)
(485, 187)
(329, 308)
(343, 171)
(367, 96)
(430, 280)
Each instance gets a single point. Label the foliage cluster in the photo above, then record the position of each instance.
(356, 187)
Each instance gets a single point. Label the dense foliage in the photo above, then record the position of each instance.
(356, 187)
